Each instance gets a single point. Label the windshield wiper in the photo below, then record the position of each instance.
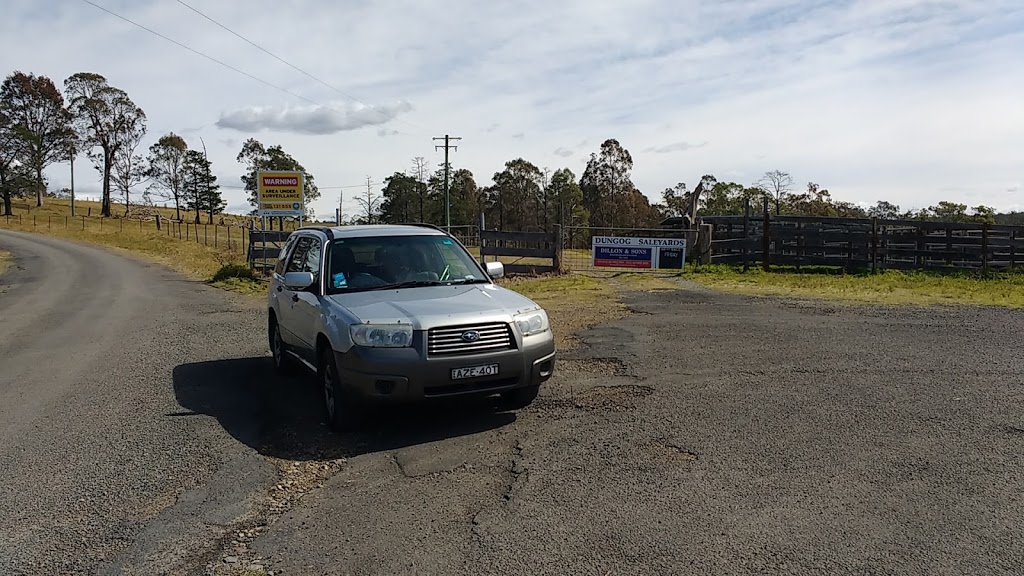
(471, 281)
(409, 284)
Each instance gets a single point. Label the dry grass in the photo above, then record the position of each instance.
(5, 261)
(199, 253)
(890, 287)
(573, 302)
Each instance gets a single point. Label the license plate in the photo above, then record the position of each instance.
(474, 371)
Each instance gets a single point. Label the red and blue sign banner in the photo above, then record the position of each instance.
(645, 253)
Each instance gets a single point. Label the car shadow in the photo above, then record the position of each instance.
(282, 417)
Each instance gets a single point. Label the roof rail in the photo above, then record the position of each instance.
(425, 225)
(325, 229)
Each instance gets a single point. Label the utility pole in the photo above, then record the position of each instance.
(544, 197)
(341, 204)
(447, 201)
(206, 179)
(73, 154)
(420, 165)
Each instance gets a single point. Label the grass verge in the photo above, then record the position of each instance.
(889, 287)
(199, 257)
(5, 261)
(574, 303)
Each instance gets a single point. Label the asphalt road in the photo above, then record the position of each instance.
(103, 471)
(701, 434)
(706, 434)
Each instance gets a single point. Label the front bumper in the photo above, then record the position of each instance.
(407, 374)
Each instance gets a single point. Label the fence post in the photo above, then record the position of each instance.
(206, 235)
(83, 222)
(705, 234)
(158, 222)
(984, 248)
(33, 220)
(746, 236)
(480, 233)
(766, 241)
(557, 239)
(874, 244)
(229, 238)
(216, 234)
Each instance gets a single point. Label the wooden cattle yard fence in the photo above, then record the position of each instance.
(864, 243)
(264, 248)
(545, 246)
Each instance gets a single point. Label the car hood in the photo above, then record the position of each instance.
(432, 306)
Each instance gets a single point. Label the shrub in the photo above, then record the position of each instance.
(234, 270)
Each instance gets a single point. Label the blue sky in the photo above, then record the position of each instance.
(909, 101)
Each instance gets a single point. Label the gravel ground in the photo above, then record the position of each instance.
(704, 434)
(701, 433)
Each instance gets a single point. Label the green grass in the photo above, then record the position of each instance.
(888, 287)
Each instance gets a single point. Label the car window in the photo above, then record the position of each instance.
(282, 257)
(368, 262)
(297, 261)
(312, 261)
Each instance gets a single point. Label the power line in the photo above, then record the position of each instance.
(447, 202)
(233, 187)
(294, 67)
(212, 59)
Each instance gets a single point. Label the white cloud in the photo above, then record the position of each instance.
(912, 101)
(316, 120)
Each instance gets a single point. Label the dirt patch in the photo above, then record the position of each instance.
(295, 481)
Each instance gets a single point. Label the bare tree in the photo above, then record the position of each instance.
(129, 169)
(420, 171)
(371, 205)
(166, 169)
(776, 185)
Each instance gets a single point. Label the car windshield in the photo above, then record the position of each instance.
(380, 262)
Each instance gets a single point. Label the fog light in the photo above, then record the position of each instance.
(385, 386)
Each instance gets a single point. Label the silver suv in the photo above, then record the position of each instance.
(402, 313)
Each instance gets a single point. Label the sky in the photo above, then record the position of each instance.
(907, 101)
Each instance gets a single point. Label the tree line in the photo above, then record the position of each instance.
(525, 197)
(40, 125)
(522, 196)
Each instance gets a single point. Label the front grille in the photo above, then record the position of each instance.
(448, 341)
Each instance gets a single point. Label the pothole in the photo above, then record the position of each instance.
(595, 366)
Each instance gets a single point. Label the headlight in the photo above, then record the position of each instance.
(382, 335)
(531, 323)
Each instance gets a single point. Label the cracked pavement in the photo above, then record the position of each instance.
(701, 434)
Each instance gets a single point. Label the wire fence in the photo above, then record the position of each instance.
(223, 237)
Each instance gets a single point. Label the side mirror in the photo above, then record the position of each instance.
(298, 280)
(494, 269)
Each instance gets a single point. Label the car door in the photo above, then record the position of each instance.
(306, 303)
(287, 298)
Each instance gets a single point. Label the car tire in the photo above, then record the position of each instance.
(282, 361)
(519, 398)
(339, 406)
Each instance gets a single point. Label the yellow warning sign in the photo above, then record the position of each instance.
(279, 194)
